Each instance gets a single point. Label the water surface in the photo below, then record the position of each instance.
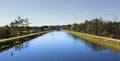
(58, 46)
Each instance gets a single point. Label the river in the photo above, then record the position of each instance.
(58, 46)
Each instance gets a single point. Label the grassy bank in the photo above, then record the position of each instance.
(18, 37)
(10, 42)
(113, 44)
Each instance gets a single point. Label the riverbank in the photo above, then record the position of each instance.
(110, 43)
(10, 42)
(18, 37)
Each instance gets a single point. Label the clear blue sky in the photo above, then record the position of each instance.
(52, 12)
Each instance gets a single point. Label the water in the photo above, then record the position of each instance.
(58, 46)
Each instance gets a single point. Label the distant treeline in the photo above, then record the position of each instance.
(20, 27)
(97, 26)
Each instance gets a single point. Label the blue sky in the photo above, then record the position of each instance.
(52, 12)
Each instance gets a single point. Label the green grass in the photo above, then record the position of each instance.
(111, 44)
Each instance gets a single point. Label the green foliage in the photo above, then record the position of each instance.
(20, 27)
(4, 32)
(74, 27)
(97, 27)
(110, 36)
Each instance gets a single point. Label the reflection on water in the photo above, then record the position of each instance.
(20, 47)
(93, 46)
(58, 46)
(17, 43)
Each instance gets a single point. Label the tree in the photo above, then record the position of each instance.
(19, 25)
(98, 27)
(74, 27)
(4, 32)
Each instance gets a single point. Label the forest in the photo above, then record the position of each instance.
(20, 27)
(97, 26)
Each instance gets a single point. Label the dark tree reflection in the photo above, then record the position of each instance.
(93, 46)
(22, 46)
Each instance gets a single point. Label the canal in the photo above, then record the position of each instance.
(58, 46)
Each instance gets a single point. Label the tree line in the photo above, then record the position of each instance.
(20, 27)
(98, 27)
